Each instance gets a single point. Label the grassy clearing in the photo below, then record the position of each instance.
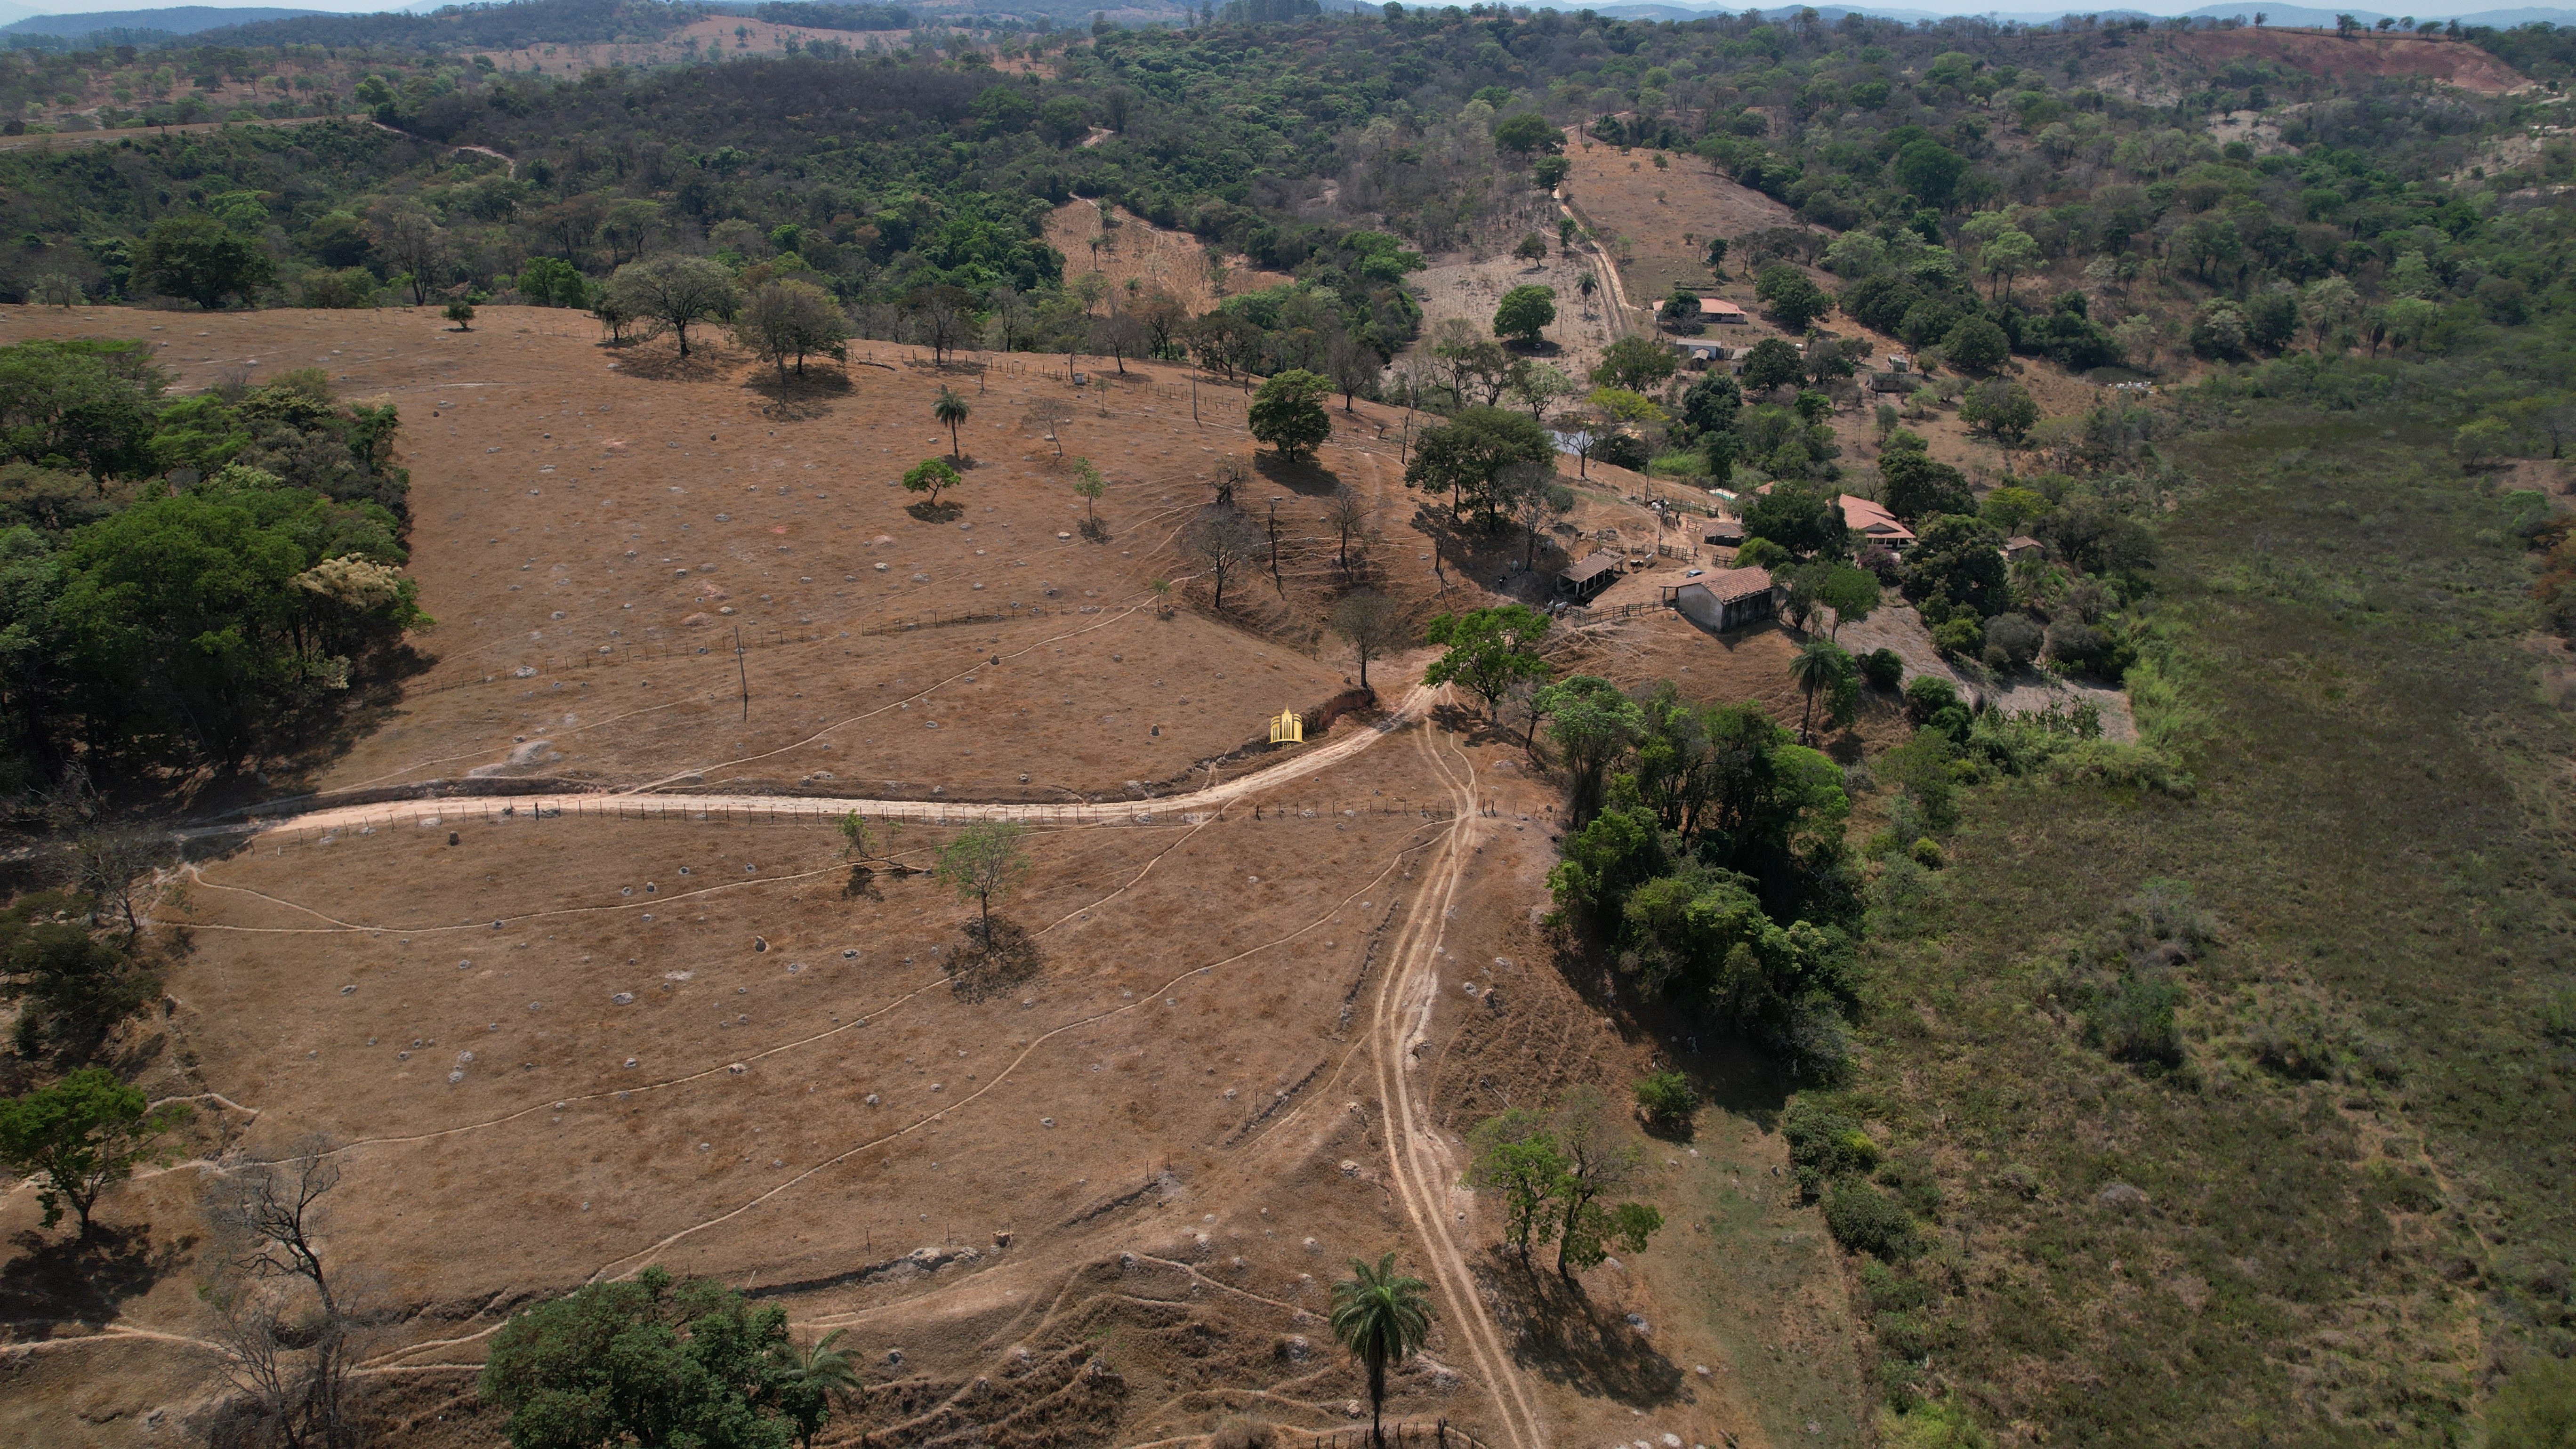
(2354, 1159)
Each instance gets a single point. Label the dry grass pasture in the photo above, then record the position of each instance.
(1088, 1184)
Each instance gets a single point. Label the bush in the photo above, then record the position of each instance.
(1668, 1100)
(1866, 1220)
(343, 289)
(2014, 636)
(2536, 1408)
(2134, 1021)
(1959, 636)
(1883, 668)
(1927, 853)
(1825, 1144)
(1927, 695)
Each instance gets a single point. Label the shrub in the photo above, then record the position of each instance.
(2558, 1013)
(1825, 1144)
(1668, 1099)
(2134, 1021)
(1927, 854)
(1959, 636)
(346, 288)
(2014, 636)
(1866, 1220)
(1883, 668)
(1927, 695)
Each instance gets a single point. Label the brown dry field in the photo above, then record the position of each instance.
(2323, 53)
(1189, 1070)
(1614, 191)
(1148, 255)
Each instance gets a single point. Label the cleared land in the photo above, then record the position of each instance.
(1089, 1183)
(1659, 220)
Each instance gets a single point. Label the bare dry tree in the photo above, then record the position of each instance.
(1229, 474)
(1348, 515)
(106, 864)
(1370, 623)
(287, 1323)
(1048, 413)
(1225, 543)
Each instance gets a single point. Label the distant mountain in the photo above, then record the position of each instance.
(177, 20)
(2283, 15)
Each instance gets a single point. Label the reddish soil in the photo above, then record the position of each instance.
(2322, 52)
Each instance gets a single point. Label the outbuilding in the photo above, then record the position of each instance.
(1726, 599)
(1588, 576)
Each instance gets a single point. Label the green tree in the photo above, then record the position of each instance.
(1681, 308)
(1527, 133)
(950, 409)
(1600, 1161)
(1913, 486)
(1853, 594)
(1593, 726)
(1959, 558)
(1517, 1159)
(2000, 409)
(1088, 485)
(646, 1360)
(1930, 170)
(1381, 1317)
(1795, 302)
(82, 1135)
(88, 403)
(1525, 313)
(1771, 363)
(1465, 457)
(812, 1374)
(1288, 413)
(1488, 650)
(1797, 518)
(985, 860)
(1668, 1099)
(201, 259)
(678, 292)
(460, 312)
(2536, 1407)
(1531, 248)
(930, 475)
(783, 321)
(1634, 362)
(2007, 255)
(1819, 664)
(1976, 345)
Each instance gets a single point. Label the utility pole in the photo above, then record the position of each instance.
(1274, 549)
(744, 671)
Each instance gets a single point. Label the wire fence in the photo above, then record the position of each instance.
(1437, 1433)
(454, 814)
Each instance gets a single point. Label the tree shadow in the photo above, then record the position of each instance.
(1306, 478)
(1094, 531)
(1540, 348)
(1558, 1331)
(797, 398)
(944, 511)
(658, 365)
(997, 957)
(54, 1282)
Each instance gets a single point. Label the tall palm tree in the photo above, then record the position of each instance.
(1381, 1319)
(951, 408)
(813, 1375)
(1818, 665)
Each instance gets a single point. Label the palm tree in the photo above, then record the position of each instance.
(1816, 666)
(1381, 1319)
(812, 1376)
(951, 408)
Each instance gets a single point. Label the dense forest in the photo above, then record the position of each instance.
(2358, 314)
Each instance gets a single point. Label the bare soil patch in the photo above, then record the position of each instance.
(1658, 221)
(2323, 53)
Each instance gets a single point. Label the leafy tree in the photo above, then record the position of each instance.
(645, 1360)
(676, 292)
(1599, 1161)
(783, 321)
(1288, 413)
(460, 312)
(1800, 519)
(1930, 170)
(2535, 1408)
(1539, 385)
(1668, 1099)
(1976, 345)
(1088, 485)
(985, 860)
(950, 410)
(2000, 409)
(1381, 1317)
(1681, 308)
(1531, 248)
(1517, 1158)
(1853, 594)
(1913, 486)
(1959, 558)
(1711, 403)
(1465, 457)
(1526, 133)
(1771, 363)
(552, 282)
(1593, 726)
(1795, 302)
(930, 476)
(2006, 255)
(1225, 543)
(82, 404)
(201, 259)
(1634, 362)
(82, 1135)
(1525, 312)
(1488, 649)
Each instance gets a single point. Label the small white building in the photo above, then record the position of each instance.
(1726, 599)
